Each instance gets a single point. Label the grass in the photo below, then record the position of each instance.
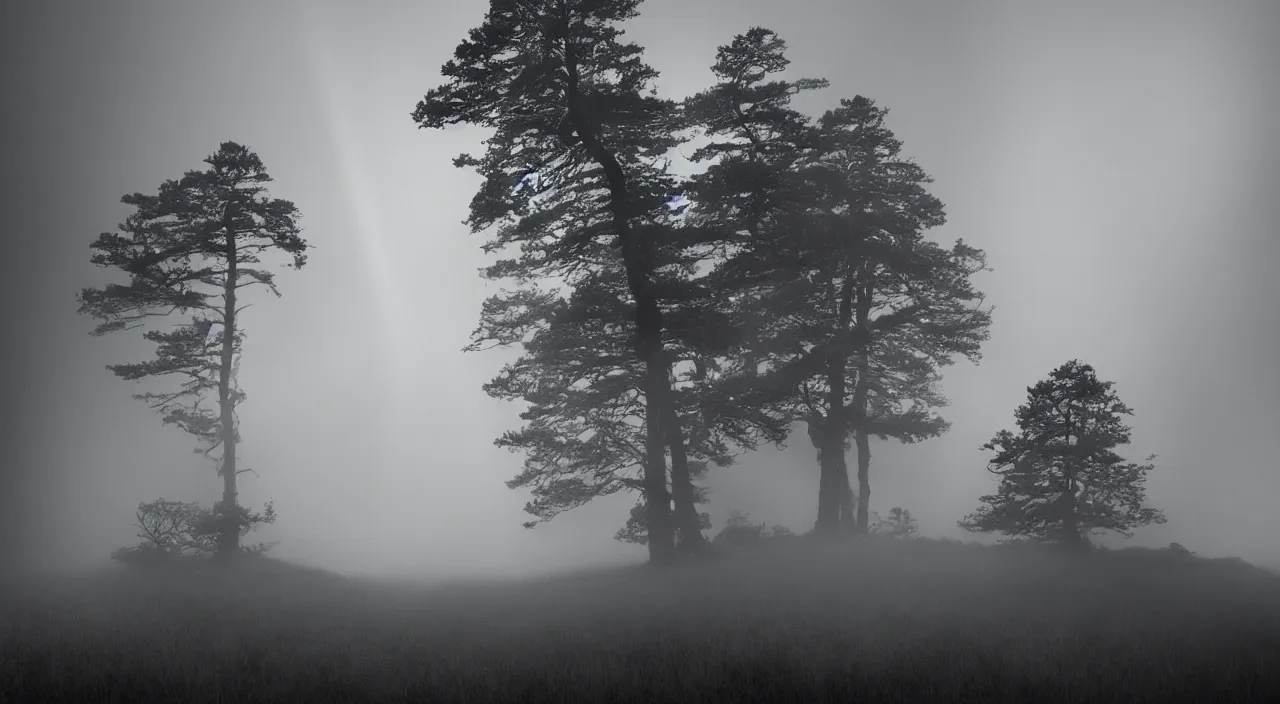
(874, 621)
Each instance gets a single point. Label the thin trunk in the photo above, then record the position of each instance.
(229, 537)
(864, 484)
(862, 387)
(648, 342)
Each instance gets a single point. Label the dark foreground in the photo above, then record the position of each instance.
(920, 621)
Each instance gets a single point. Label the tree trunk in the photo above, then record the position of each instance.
(839, 468)
(688, 525)
(648, 340)
(1071, 536)
(833, 486)
(828, 495)
(657, 500)
(864, 483)
(229, 536)
(862, 387)
(688, 522)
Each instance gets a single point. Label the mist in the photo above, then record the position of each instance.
(1117, 164)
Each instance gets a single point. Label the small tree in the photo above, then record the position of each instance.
(740, 531)
(898, 524)
(1061, 478)
(174, 529)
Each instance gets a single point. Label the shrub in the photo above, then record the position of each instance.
(898, 524)
(739, 531)
(175, 530)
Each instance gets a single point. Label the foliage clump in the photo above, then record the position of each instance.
(898, 524)
(1061, 477)
(173, 531)
(740, 531)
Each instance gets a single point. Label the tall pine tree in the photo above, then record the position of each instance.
(584, 386)
(191, 248)
(872, 308)
(755, 204)
(880, 201)
(572, 103)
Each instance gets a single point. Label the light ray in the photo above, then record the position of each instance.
(370, 228)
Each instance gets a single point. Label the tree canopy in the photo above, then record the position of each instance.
(795, 269)
(1061, 478)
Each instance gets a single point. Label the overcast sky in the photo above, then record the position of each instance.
(1117, 161)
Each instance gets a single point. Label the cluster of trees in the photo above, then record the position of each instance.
(669, 323)
(666, 323)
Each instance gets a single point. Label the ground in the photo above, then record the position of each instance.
(880, 620)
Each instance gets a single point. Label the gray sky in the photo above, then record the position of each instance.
(1117, 161)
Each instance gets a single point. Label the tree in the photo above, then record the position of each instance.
(759, 209)
(576, 122)
(846, 305)
(584, 435)
(1060, 476)
(908, 301)
(843, 311)
(190, 249)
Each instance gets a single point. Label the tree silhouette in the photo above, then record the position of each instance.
(584, 435)
(760, 211)
(1061, 478)
(575, 122)
(906, 300)
(844, 311)
(190, 249)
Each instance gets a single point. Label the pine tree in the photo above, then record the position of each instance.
(843, 311)
(846, 310)
(906, 300)
(755, 205)
(585, 421)
(575, 120)
(1060, 476)
(190, 249)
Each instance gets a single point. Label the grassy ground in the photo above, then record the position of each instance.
(919, 621)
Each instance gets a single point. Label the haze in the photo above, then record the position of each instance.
(1117, 162)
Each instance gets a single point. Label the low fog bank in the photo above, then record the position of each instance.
(490, 545)
(783, 564)
(790, 619)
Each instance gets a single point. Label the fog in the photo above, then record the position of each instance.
(1119, 165)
